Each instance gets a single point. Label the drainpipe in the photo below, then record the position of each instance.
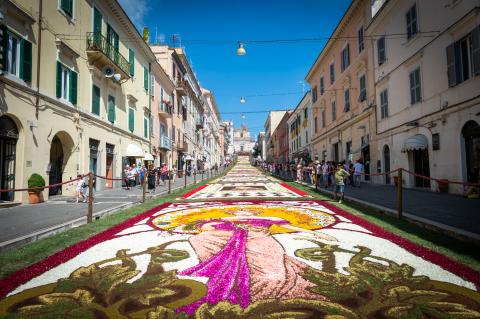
(40, 21)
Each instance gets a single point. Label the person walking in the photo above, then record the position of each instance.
(174, 174)
(325, 168)
(79, 190)
(164, 173)
(357, 173)
(152, 172)
(340, 175)
(126, 177)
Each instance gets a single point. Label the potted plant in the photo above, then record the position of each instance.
(35, 181)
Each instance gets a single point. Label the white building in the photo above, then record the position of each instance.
(241, 139)
(427, 89)
(300, 129)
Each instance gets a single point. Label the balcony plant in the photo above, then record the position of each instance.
(36, 182)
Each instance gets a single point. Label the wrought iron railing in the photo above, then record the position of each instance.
(165, 142)
(97, 42)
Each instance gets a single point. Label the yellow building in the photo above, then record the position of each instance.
(74, 92)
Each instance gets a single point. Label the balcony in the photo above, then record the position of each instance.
(182, 147)
(165, 110)
(184, 112)
(101, 53)
(181, 87)
(199, 124)
(165, 143)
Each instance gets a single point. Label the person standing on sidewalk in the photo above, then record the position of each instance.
(357, 173)
(164, 173)
(325, 167)
(340, 175)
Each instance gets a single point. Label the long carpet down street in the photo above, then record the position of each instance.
(243, 246)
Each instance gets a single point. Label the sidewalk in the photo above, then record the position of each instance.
(25, 223)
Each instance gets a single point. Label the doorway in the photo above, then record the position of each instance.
(8, 145)
(56, 167)
(109, 165)
(93, 145)
(471, 136)
(386, 161)
(421, 167)
(366, 161)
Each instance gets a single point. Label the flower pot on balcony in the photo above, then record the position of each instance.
(443, 185)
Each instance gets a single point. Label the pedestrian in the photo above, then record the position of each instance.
(357, 173)
(299, 172)
(164, 173)
(325, 168)
(340, 175)
(318, 172)
(79, 190)
(174, 174)
(126, 174)
(132, 176)
(151, 177)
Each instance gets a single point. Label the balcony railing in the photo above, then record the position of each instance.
(165, 109)
(98, 43)
(165, 143)
(199, 123)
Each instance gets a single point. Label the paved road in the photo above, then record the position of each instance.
(26, 219)
(447, 209)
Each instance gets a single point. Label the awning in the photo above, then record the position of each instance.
(133, 150)
(416, 142)
(148, 157)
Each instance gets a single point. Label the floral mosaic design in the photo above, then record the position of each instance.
(243, 259)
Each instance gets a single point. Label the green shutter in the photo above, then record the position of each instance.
(145, 78)
(3, 46)
(115, 41)
(26, 61)
(59, 80)
(95, 100)
(67, 7)
(131, 60)
(111, 109)
(131, 120)
(97, 21)
(73, 87)
(145, 128)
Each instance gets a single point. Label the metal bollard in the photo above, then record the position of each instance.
(145, 177)
(195, 177)
(90, 198)
(399, 194)
(169, 181)
(185, 173)
(202, 175)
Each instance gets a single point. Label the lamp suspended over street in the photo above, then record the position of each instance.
(242, 100)
(241, 49)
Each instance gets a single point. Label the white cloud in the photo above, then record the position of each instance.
(136, 10)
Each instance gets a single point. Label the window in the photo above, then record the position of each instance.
(315, 124)
(415, 87)
(131, 61)
(384, 104)
(146, 126)
(346, 108)
(463, 58)
(412, 26)
(348, 150)
(324, 120)
(131, 119)
(363, 89)
(306, 137)
(95, 100)
(111, 109)
(17, 55)
(381, 50)
(361, 43)
(113, 44)
(145, 78)
(152, 85)
(322, 86)
(332, 73)
(345, 62)
(67, 7)
(314, 94)
(66, 83)
(334, 111)
(305, 114)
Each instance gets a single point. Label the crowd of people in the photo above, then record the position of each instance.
(321, 173)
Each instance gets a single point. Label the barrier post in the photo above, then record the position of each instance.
(145, 177)
(90, 198)
(185, 173)
(195, 176)
(202, 174)
(169, 181)
(399, 194)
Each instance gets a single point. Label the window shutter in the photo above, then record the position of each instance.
(348, 55)
(3, 46)
(145, 78)
(111, 109)
(412, 89)
(381, 50)
(97, 22)
(476, 50)
(59, 79)
(26, 61)
(73, 87)
(451, 73)
(131, 60)
(131, 120)
(95, 100)
(145, 127)
(152, 85)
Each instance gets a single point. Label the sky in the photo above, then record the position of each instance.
(209, 30)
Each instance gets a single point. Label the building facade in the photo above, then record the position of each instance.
(242, 142)
(71, 104)
(280, 141)
(342, 91)
(273, 119)
(212, 131)
(427, 90)
(300, 131)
